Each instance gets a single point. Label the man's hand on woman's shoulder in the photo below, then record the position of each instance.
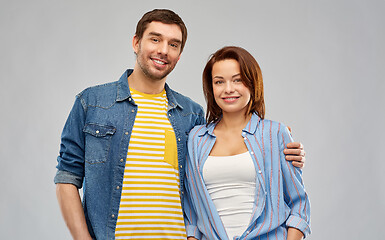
(295, 153)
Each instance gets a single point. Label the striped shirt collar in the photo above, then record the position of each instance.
(123, 91)
(250, 128)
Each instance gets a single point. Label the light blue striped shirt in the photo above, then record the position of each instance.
(280, 197)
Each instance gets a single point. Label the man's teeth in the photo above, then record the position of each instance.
(159, 62)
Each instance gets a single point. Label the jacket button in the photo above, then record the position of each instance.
(121, 160)
(97, 131)
(126, 133)
(181, 166)
(117, 187)
(179, 139)
(129, 99)
(133, 110)
(113, 215)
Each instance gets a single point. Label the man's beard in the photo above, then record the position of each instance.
(145, 67)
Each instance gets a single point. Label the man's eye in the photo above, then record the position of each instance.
(155, 40)
(174, 45)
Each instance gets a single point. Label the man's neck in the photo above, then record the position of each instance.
(140, 82)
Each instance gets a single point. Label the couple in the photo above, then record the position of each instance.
(125, 143)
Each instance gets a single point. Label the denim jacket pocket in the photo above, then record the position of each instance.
(98, 142)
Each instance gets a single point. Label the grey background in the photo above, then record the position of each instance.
(323, 67)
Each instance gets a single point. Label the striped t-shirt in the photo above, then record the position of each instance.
(150, 206)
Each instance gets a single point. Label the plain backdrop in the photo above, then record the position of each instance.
(323, 67)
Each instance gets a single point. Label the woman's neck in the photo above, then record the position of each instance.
(234, 121)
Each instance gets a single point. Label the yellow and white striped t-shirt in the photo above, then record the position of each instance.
(150, 206)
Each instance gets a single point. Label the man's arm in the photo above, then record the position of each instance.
(295, 153)
(72, 210)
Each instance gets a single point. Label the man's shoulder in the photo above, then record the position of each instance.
(184, 100)
(104, 88)
(102, 95)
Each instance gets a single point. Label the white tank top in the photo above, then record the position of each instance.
(230, 181)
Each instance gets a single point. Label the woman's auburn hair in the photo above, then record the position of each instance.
(251, 76)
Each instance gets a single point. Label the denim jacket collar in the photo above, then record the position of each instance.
(250, 128)
(123, 91)
(172, 102)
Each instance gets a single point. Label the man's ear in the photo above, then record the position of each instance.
(135, 44)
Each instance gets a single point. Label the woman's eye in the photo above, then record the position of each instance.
(238, 80)
(218, 82)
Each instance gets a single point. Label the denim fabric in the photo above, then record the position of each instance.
(95, 141)
(280, 197)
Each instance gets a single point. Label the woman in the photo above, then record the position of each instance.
(238, 183)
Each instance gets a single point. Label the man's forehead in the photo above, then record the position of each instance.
(164, 29)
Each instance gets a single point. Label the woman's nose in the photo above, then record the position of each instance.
(229, 88)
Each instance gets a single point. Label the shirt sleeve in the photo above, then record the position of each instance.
(191, 192)
(294, 189)
(70, 167)
(190, 217)
(201, 119)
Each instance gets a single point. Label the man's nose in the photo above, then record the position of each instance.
(163, 48)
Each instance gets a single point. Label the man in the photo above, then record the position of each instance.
(125, 143)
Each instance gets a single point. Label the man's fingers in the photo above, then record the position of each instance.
(294, 158)
(298, 152)
(294, 145)
(298, 164)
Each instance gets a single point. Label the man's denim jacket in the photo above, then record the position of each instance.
(94, 146)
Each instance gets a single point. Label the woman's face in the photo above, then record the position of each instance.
(231, 95)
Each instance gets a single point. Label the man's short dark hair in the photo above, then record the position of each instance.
(165, 16)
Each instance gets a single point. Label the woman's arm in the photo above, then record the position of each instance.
(190, 216)
(295, 195)
(294, 234)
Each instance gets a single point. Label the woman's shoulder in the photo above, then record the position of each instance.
(273, 126)
(198, 130)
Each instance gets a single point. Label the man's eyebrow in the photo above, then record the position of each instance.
(155, 34)
(159, 35)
